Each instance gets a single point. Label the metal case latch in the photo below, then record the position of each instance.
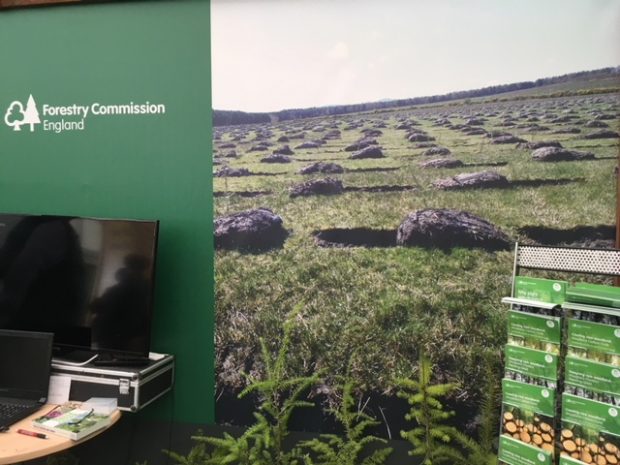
(123, 386)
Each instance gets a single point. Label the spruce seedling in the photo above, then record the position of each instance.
(263, 442)
(482, 452)
(351, 448)
(431, 437)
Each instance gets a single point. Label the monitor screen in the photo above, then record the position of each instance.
(89, 281)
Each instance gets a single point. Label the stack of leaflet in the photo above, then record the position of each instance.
(594, 294)
(529, 388)
(72, 420)
(590, 424)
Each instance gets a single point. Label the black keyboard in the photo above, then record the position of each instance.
(11, 413)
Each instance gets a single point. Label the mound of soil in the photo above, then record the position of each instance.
(231, 154)
(607, 116)
(437, 151)
(372, 132)
(566, 131)
(282, 139)
(474, 131)
(298, 135)
(496, 134)
(552, 154)
(475, 122)
(507, 123)
(539, 144)
(535, 128)
(228, 172)
(332, 134)
(418, 137)
(227, 145)
(372, 151)
(322, 167)
(360, 144)
(308, 145)
(445, 229)
(481, 179)
(602, 134)
(425, 145)
(284, 150)
(251, 230)
(326, 186)
(510, 139)
(596, 124)
(258, 148)
(276, 158)
(442, 163)
(562, 119)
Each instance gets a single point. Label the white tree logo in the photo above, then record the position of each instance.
(16, 115)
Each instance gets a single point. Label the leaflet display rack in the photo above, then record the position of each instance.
(561, 390)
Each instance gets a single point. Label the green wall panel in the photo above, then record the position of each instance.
(127, 166)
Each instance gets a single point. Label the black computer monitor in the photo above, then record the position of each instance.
(90, 281)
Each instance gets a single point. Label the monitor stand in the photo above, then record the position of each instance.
(120, 360)
(73, 357)
(104, 359)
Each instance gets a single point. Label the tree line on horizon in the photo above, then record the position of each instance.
(231, 118)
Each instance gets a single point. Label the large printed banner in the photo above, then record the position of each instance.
(375, 163)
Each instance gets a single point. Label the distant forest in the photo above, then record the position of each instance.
(229, 118)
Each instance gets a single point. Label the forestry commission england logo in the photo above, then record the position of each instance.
(73, 116)
(17, 115)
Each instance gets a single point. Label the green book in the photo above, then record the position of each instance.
(71, 422)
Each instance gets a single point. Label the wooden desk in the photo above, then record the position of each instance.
(15, 447)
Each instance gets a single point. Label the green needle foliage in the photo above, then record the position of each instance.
(352, 448)
(263, 443)
(431, 438)
(198, 455)
(482, 452)
(437, 442)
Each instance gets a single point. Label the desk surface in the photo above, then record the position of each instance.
(15, 448)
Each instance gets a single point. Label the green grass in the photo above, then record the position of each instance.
(373, 308)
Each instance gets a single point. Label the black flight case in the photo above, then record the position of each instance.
(134, 387)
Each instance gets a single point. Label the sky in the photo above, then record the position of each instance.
(269, 55)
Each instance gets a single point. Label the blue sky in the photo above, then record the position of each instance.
(270, 55)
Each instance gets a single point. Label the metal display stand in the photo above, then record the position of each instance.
(604, 262)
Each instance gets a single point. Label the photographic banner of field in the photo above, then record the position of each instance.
(400, 236)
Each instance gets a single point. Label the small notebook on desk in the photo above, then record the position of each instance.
(72, 421)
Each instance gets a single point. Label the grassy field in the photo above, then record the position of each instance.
(374, 308)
